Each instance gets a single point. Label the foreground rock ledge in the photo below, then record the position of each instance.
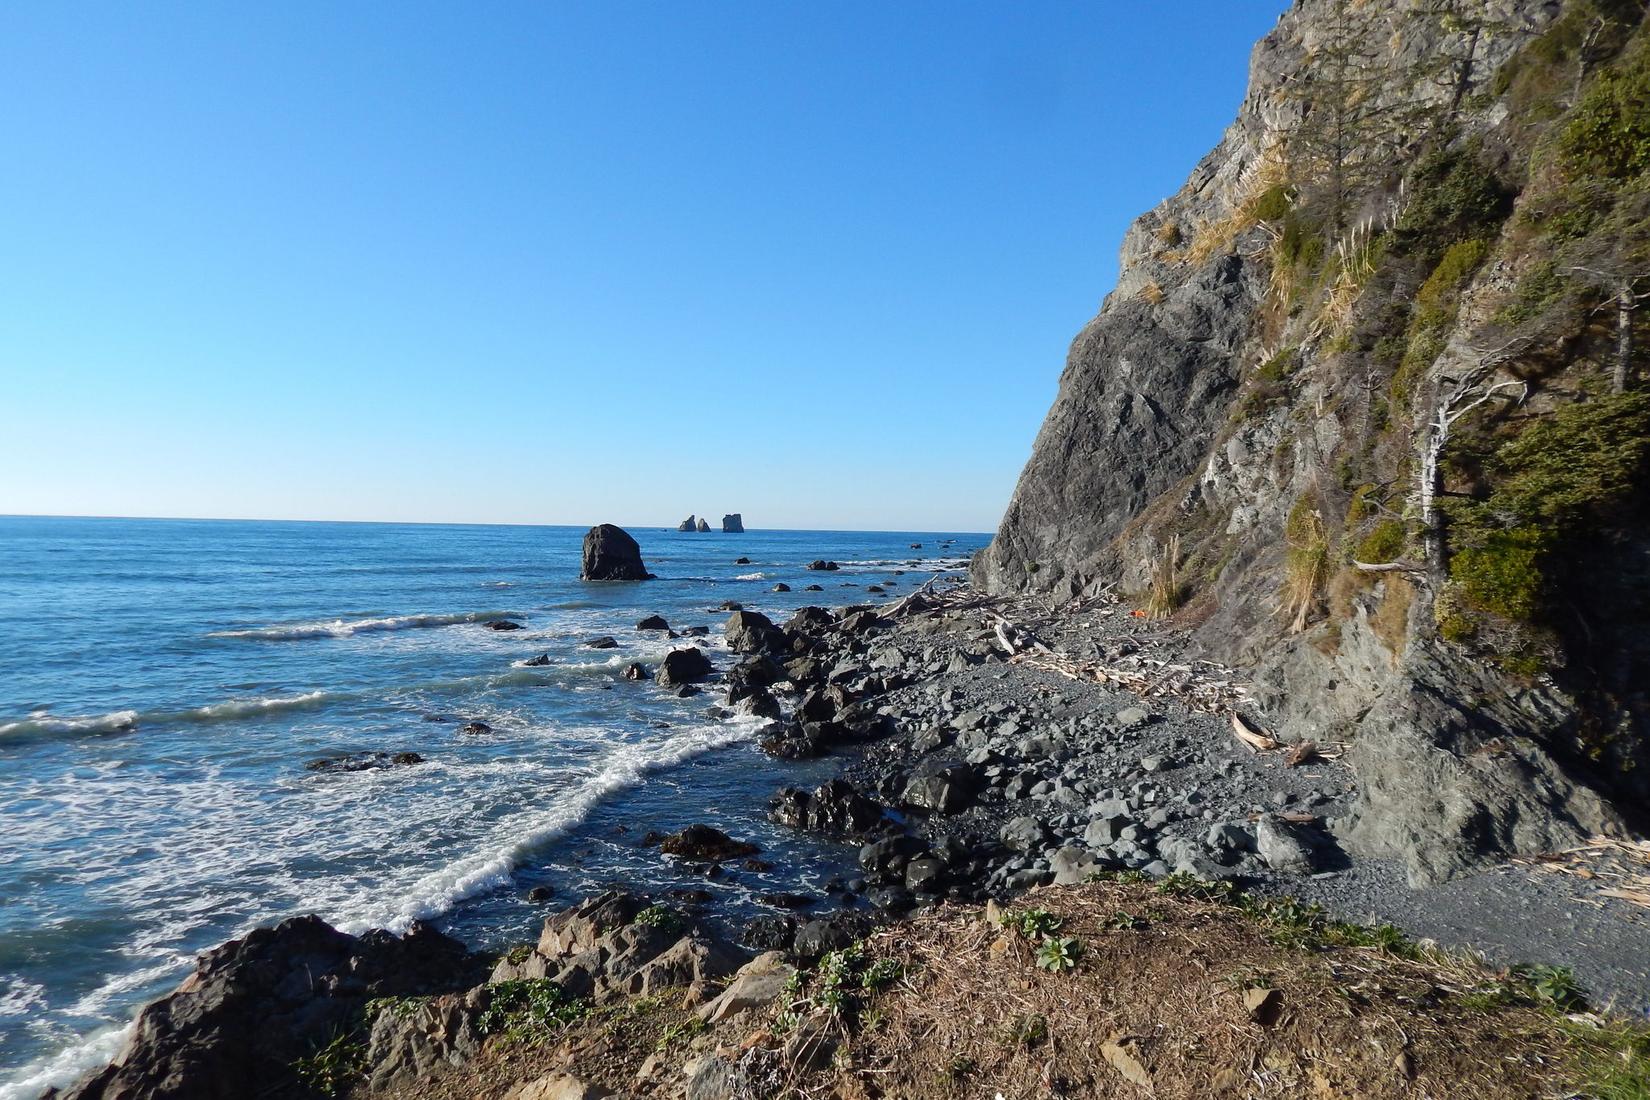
(1112, 988)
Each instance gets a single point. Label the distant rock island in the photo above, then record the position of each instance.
(732, 523)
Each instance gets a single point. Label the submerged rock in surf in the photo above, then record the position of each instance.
(363, 761)
(705, 844)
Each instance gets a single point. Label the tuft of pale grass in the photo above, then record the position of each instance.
(1306, 563)
(1355, 257)
(1213, 237)
(1166, 593)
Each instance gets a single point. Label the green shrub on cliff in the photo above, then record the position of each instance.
(1502, 574)
(1608, 133)
(1560, 479)
(1383, 544)
(1578, 463)
(1436, 304)
(1455, 196)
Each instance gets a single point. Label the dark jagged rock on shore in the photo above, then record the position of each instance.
(610, 554)
(255, 1007)
(754, 632)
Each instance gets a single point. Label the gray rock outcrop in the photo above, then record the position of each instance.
(1195, 416)
(733, 524)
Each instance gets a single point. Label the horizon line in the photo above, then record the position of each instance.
(668, 527)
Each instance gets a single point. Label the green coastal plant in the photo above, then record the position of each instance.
(1436, 305)
(1562, 477)
(1384, 543)
(661, 917)
(1059, 953)
(1502, 573)
(334, 1068)
(525, 1008)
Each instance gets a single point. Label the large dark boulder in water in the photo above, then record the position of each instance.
(256, 1006)
(683, 666)
(610, 554)
(653, 622)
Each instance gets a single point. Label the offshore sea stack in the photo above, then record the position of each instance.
(610, 554)
(686, 524)
(733, 524)
(1344, 418)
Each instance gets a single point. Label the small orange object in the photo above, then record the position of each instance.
(1137, 614)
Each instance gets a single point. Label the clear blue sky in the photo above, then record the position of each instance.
(570, 263)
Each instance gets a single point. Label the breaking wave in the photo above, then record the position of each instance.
(344, 628)
(43, 726)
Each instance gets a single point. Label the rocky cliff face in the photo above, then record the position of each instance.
(1375, 328)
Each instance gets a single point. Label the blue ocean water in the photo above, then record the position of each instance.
(164, 682)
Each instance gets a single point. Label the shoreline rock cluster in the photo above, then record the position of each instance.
(969, 773)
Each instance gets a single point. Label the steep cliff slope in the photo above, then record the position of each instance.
(1364, 412)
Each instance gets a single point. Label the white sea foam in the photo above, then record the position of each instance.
(491, 864)
(48, 725)
(20, 997)
(97, 1001)
(63, 1066)
(345, 628)
(44, 725)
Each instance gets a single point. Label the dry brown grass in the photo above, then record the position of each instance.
(1391, 618)
(1212, 237)
(1306, 564)
(1166, 592)
(1160, 995)
(1152, 293)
